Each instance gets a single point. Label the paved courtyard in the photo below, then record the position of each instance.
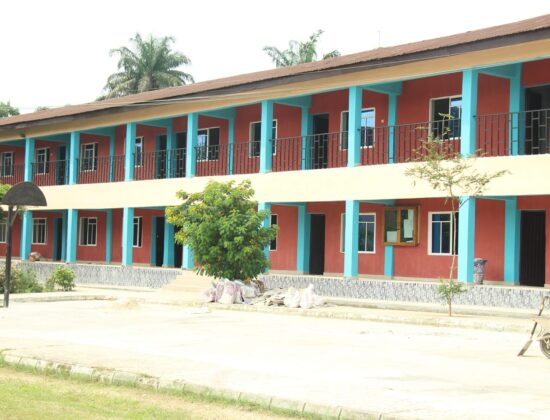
(405, 370)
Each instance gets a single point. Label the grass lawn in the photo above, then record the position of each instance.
(25, 395)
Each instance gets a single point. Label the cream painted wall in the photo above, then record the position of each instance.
(528, 175)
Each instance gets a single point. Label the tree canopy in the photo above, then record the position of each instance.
(148, 64)
(299, 52)
(7, 110)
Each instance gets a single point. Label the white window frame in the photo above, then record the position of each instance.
(88, 219)
(207, 145)
(3, 232)
(451, 241)
(450, 98)
(276, 216)
(342, 228)
(275, 125)
(95, 148)
(346, 111)
(141, 141)
(11, 166)
(139, 238)
(45, 221)
(46, 162)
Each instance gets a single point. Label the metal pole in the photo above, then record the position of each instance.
(8, 258)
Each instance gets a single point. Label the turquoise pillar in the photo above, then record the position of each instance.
(354, 125)
(29, 159)
(517, 104)
(230, 144)
(266, 151)
(392, 121)
(389, 254)
(74, 154)
(129, 151)
(265, 223)
(192, 139)
(26, 235)
(109, 236)
(63, 256)
(351, 240)
(303, 245)
(170, 146)
(188, 258)
(306, 131)
(469, 110)
(112, 157)
(153, 255)
(72, 234)
(168, 250)
(511, 241)
(127, 235)
(466, 239)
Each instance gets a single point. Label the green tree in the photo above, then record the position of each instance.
(41, 108)
(3, 190)
(6, 110)
(224, 229)
(149, 64)
(299, 52)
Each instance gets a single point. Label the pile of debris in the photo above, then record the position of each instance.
(230, 292)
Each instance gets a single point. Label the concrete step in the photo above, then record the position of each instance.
(189, 281)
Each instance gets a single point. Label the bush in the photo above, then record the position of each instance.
(62, 278)
(22, 281)
(447, 291)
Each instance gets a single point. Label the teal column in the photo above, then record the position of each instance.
(63, 256)
(188, 258)
(74, 153)
(389, 254)
(392, 121)
(351, 240)
(153, 255)
(230, 144)
(170, 146)
(26, 235)
(306, 131)
(303, 245)
(469, 110)
(109, 236)
(266, 152)
(517, 104)
(265, 223)
(29, 159)
(354, 125)
(129, 151)
(511, 241)
(72, 234)
(112, 157)
(169, 240)
(127, 235)
(192, 138)
(466, 239)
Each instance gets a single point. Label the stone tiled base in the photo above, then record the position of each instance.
(410, 291)
(112, 275)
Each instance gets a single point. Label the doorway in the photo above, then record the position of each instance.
(159, 241)
(160, 157)
(533, 248)
(61, 166)
(537, 120)
(317, 244)
(58, 241)
(319, 146)
(178, 252)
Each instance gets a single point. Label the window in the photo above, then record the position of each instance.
(367, 228)
(3, 232)
(88, 231)
(88, 157)
(7, 164)
(273, 245)
(138, 232)
(138, 152)
(443, 237)
(401, 226)
(39, 230)
(208, 144)
(42, 161)
(445, 117)
(367, 128)
(256, 136)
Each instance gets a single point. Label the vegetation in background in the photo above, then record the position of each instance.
(223, 227)
(299, 52)
(22, 281)
(62, 278)
(7, 110)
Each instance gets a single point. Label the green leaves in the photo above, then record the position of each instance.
(224, 229)
(6, 110)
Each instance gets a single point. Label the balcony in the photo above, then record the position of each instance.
(99, 169)
(12, 174)
(49, 173)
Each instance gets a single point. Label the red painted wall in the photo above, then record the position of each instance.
(19, 162)
(102, 172)
(536, 72)
(93, 252)
(16, 240)
(284, 258)
(46, 250)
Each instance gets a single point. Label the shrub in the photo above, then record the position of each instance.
(447, 291)
(22, 281)
(63, 278)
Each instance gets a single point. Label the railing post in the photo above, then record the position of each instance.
(192, 139)
(230, 144)
(29, 158)
(303, 244)
(351, 228)
(109, 236)
(127, 235)
(129, 151)
(517, 105)
(511, 241)
(72, 234)
(170, 146)
(392, 121)
(266, 154)
(466, 239)
(469, 110)
(354, 125)
(26, 235)
(306, 130)
(74, 153)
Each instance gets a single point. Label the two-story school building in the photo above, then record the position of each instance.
(326, 145)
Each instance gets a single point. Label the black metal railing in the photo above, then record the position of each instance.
(245, 157)
(212, 160)
(100, 169)
(224, 159)
(525, 132)
(151, 165)
(12, 174)
(176, 163)
(55, 172)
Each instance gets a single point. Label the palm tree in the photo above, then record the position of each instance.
(149, 65)
(299, 52)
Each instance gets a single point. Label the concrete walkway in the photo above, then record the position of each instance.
(402, 370)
